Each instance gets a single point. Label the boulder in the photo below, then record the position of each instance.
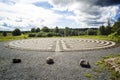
(16, 60)
(50, 60)
(84, 63)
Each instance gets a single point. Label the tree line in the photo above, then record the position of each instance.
(47, 32)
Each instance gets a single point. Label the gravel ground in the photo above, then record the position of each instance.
(34, 67)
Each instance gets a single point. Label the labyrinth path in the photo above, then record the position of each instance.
(60, 44)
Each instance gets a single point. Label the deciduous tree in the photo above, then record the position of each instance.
(16, 32)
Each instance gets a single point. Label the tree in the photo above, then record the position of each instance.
(33, 30)
(16, 32)
(73, 32)
(91, 32)
(38, 30)
(66, 31)
(101, 30)
(56, 29)
(4, 33)
(116, 27)
(61, 32)
(108, 28)
(45, 29)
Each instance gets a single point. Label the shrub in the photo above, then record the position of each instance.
(42, 34)
(33, 30)
(91, 32)
(57, 34)
(4, 33)
(45, 29)
(32, 35)
(82, 33)
(16, 32)
(49, 34)
(39, 35)
(38, 30)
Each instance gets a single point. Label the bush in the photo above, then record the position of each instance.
(91, 32)
(45, 29)
(33, 30)
(49, 34)
(38, 30)
(57, 34)
(39, 35)
(4, 33)
(82, 33)
(16, 32)
(42, 34)
(114, 36)
(32, 35)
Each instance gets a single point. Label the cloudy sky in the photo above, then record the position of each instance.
(25, 14)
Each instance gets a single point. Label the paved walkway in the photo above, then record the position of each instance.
(60, 44)
(66, 66)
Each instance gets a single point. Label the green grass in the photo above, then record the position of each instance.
(10, 37)
(116, 39)
(88, 75)
(104, 66)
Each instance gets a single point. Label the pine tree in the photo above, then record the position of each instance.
(38, 30)
(108, 28)
(4, 33)
(101, 30)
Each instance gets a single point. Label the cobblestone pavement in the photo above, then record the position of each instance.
(66, 66)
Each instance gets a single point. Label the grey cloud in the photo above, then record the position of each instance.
(94, 9)
(101, 3)
(95, 22)
(7, 25)
(59, 2)
(107, 2)
(91, 2)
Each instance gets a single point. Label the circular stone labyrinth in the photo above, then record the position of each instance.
(60, 44)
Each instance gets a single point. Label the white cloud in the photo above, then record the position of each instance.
(86, 13)
(24, 14)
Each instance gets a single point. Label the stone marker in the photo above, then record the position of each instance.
(84, 63)
(16, 60)
(50, 60)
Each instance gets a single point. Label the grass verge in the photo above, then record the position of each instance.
(104, 68)
(111, 63)
(7, 38)
(116, 39)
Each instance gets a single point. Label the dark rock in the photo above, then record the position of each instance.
(16, 60)
(84, 63)
(50, 60)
